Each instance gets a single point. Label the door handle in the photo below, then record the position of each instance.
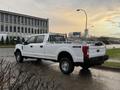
(31, 46)
(41, 46)
(98, 50)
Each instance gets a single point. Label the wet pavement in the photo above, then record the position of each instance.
(50, 74)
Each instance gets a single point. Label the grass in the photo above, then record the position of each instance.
(7, 46)
(112, 64)
(114, 53)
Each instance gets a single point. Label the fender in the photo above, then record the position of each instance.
(18, 47)
(65, 49)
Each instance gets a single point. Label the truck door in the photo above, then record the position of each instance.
(28, 47)
(39, 46)
(54, 42)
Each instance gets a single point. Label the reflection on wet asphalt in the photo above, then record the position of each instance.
(92, 79)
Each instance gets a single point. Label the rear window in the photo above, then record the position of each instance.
(56, 38)
(40, 39)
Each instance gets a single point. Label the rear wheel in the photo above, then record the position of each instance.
(66, 65)
(19, 57)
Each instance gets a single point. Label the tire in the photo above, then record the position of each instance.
(19, 57)
(66, 65)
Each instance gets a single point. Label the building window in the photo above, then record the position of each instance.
(10, 28)
(39, 22)
(32, 30)
(35, 22)
(25, 21)
(46, 24)
(18, 19)
(32, 22)
(14, 28)
(22, 20)
(6, 28)
(38, 31)
(28, 30)
(29, 21)
(35, 31)
(2, 28)
(46, 31)
(2, 17)
(41, 31)
(22, 30)
(10, 18)
(18, 29)
(6, 18)
(15, 17)
(43, 23)
(25, 30)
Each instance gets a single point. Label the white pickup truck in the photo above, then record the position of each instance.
(54, 47)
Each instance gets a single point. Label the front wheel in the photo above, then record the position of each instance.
(19, 57)
(66, 65)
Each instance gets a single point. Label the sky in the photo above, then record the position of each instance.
(103, 15)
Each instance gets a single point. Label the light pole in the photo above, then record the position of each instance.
(86, 30)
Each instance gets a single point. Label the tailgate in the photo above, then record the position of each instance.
(96, 51)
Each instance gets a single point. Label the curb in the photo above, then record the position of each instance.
(108, 68)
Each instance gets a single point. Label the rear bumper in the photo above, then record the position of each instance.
(93, 61)
(96, 60)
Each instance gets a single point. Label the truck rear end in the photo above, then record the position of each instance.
(94, 54)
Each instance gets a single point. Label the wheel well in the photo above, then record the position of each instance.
(64, 54)
(17, 50)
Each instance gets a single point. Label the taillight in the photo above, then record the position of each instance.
(85, 50)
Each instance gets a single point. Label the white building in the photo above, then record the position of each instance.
(15, 24)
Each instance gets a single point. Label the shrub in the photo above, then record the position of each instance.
(2, 40)
(7, 41)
